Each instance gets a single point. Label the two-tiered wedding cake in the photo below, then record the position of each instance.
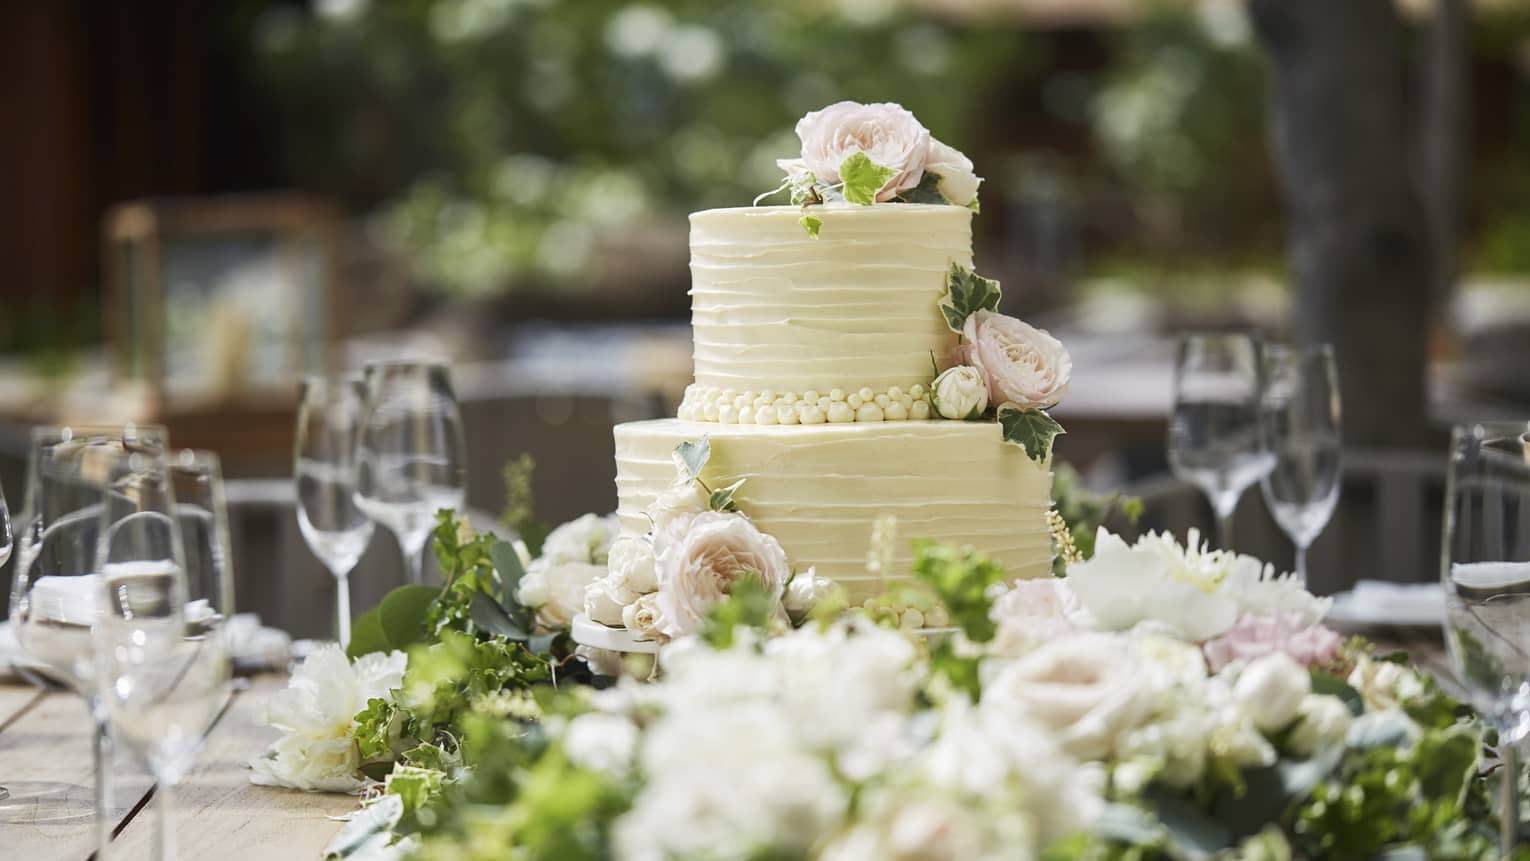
(820, 331)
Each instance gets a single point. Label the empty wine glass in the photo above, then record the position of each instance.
(1301, 423)
(330, 413)
(163, 659)
(1214, 440)
(197, 481)
(411, 460)
(1485, 568)
(6, 543)
(55, 598)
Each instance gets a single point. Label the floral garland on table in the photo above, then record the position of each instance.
(1159, 701)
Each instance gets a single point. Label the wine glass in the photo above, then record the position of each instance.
(337, 531)
(1214, 440)
(1485, 568)
(197, 481)
(411, 459)
(55, 593)
(161, 650)
(1301, 420)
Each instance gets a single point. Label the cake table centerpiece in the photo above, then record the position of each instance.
(853, 377)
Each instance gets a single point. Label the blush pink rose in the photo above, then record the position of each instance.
(698, 568)
(1036, 611)
(1023, 365)
(887, 133)
(1255, 637)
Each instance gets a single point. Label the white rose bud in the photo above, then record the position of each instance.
(643, 617)
(961, 393)
(804, 592)
(1324, 720)
(532, 591)
(605, 599)
(1270, 691)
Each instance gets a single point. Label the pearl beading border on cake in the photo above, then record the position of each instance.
(730, 406)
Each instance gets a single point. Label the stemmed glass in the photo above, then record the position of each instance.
(1301, 423)
(1485, 568)
(336, 530)
(55, 597)
(411, 461)
(162, 655)
(197, 481)
(1214, 440)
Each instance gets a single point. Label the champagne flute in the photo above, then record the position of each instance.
(1214, 440)
(411, 461)
(55, 598)
(1485, 569)
(162, 659)
(1301, 422)
(336, 530)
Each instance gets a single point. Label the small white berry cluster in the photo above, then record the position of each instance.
(909, 618)
(729, 406)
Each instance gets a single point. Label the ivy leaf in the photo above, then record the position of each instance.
(812, 224)
(863, 178)
(967, 293)
(371, 732)
(722, 498)
(1032, 430)
(489, 616)
(376, 818)
(927, 191)
(690, 457)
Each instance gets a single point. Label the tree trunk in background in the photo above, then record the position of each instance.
(1358, 242)
(1443, 139)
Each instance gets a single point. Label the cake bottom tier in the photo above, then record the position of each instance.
(819, 489)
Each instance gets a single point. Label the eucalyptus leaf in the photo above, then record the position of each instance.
(966, 294)
(367, 635)
(1190, 829)
(1377, 729)
(507, 561)
(541, 644)
(402, 614)
(691, 457)
(376, 818)
(1327, 683)
(722, 498)
(1032, 430)
(863, 178)
(488, 615)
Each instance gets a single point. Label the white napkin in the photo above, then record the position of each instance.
(1490, 575)
(76, 600)
(1382, 602)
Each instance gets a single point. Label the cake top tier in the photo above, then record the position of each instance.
(778, 315)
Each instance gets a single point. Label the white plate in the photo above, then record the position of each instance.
(1374, 602)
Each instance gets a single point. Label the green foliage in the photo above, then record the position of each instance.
(373, 729)
(862, 178)
(927, 191)
(520, 514)
(416, 786)
(967, 293)
(748, 604)
(444, 679)
(960, 578)
(1032, 430)
(812, 224)
(397, 622)
(722, 498)
(691, 457)
(1324, 683)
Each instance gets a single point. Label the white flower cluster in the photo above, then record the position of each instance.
(316, 714)
(815, 742)
(730, 406)
(573, 556)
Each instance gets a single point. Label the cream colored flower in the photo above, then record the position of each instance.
(886, 133)
(606, 598)
(960, 393)
(631, 564)
(1088, 689)
(697, 570)
(673, 511)
(1324, 720)
(1271, 690)
(644, 618)
(958, 182)
(562, 587)
(1024, 365)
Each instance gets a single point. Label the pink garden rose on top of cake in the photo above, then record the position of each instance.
(888, 134)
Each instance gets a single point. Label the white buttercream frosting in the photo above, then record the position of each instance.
(773, 309)
(818, 489)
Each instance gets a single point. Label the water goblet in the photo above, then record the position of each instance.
(1300, 418)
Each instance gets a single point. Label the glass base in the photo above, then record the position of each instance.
(44, 802)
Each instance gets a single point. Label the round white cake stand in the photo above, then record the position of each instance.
(587, 632)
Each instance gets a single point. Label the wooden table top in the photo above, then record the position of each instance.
(45, 759)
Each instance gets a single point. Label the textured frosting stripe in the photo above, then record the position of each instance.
(772, 308)
(818, 489)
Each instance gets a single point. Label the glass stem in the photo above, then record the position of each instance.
(415, 559)
(164, 803)
(1301, 565)
(343, 609)
(1225, 509)
(1508, 830)
(105, 808)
